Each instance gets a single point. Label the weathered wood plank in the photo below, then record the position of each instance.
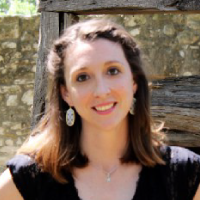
(184, 139)
(66, 19)
(177, 92)
(176, 101)
(178, 118)
(115, 6)
(49, 30)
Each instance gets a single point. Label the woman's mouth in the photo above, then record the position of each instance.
(105, 109)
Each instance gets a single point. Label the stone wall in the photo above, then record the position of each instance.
(170, 46)
(18, 53)
(170, 42)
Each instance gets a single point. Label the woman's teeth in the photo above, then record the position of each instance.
(103, 108)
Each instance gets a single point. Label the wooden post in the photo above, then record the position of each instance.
(49, 30)
(51, 26)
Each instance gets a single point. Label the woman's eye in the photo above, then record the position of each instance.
(82, 77)
(113, 71)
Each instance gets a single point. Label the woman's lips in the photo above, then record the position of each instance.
(104, 109)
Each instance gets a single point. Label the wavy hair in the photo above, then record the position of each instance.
(53, 144)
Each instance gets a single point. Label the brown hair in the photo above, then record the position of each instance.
(54, 145)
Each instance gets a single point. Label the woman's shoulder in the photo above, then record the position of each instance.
(181, 173)
(21, 165)
(25, 173)
(175, 155)
(33, 183)
(21, 161)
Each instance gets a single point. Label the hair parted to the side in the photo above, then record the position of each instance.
(54, 145)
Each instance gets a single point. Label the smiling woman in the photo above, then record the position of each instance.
(89, 76)
(96, 140)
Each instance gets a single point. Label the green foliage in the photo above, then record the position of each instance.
(4, 6)
(17, 7)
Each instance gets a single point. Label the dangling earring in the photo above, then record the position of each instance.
(132, 109)
(70, 117)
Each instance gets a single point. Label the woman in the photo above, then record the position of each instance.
(96, 141)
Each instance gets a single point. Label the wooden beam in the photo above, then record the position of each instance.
(176, 101)
(178, 118)
(49, 30)
(118, 7)
(181, 92)
(184, 139)
(51, 26)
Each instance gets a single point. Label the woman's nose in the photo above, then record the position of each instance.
(102, 88)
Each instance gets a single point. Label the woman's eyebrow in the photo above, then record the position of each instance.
(77, 69)
(113, 61)
(83, 68)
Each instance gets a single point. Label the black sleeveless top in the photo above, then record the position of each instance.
(177, 180)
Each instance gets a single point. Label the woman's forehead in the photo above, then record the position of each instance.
(83, 53)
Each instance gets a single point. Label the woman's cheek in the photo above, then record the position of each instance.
(81, 96)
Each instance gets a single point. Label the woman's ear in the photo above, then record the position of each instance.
(135, 87)
(65, 95)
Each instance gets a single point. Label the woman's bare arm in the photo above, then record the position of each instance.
(197, 195)
(8, 190)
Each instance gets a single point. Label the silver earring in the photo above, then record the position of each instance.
(132, 108)
(70, 117)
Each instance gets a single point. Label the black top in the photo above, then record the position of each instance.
(177, 180)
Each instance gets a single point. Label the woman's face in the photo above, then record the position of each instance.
(100, 84)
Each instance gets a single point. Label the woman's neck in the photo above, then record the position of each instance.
(104, 148)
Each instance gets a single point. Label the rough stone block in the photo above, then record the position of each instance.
(169, 30)
(9, 142)
(23, 81)
(12, 67)
(135, 32)
(3, 160)
(131, 21)
(9, 33)
(13, 89)
(182, 53)
(1, 98)
(30, 23)
(1, 58)
(10, 28)
(34, 68)
(9, 20)
(35, 56)
(16, 126)
(16, 55)
(179, 19)
(8, 124)
(1, 142)
(193, 17)
(193, 24)
(12, 100)
(19, 142)
(187, 37)
(11, 149)
(27, 36)
(26, 47)
(27, 97)
(19, 133)
(8, 45)
(35, 46)
(2, 131)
